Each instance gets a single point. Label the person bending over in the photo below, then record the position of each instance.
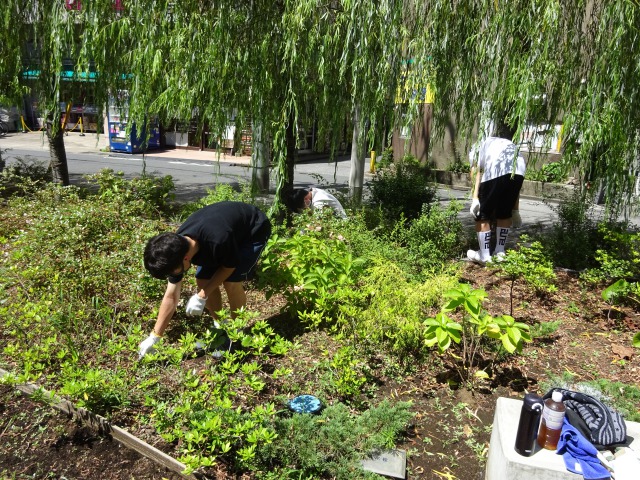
(315, 199)
(224, 241)
(497, 171)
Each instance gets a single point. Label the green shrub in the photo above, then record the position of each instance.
(402, 189)
(386, 159)
(619, 255)
(149, 193)
(25, 176)
(457, 166)
(573, 239)
(432, 239)
(219, 193)
(388, 315)
(554, 172)
(331, 445)
(530, 263)
(306, 267)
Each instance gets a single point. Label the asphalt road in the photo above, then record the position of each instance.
(194, 171)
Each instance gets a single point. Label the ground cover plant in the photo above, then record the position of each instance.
(406, 346)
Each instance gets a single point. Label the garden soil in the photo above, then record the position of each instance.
(449, 437)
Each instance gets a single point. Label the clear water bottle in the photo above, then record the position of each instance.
(528, 424)
(552, 417)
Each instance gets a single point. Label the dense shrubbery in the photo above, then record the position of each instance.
(76, 301)
(581, 239)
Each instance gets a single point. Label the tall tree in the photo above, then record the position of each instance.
(573, 62)
(44, 39)
(268, 62)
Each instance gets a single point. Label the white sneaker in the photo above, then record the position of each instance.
(498, 257)
(474, 256)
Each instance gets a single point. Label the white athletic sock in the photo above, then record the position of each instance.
(484, 241)
(502, 234)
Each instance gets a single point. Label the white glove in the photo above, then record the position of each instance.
(475, 208)
(195, 305)
(516, 219)
(147, 345)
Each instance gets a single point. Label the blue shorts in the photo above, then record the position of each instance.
(246, 270)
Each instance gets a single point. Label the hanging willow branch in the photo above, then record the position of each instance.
(573, 62)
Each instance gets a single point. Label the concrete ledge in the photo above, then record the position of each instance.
(530, 188)
(504, 463)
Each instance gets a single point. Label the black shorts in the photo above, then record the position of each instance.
(249, 254)
(498, 197)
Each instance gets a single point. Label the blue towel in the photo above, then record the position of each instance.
(577, 451)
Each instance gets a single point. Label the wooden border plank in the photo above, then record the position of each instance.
(104, 426)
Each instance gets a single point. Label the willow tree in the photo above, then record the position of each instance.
(573, 62)
(271, 63)
(204, 62)
(41, 38)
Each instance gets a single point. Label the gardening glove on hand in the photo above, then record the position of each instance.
(516, 219)
(475, 208)
(147, 345)
(195, 305)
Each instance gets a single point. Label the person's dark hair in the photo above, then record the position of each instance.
(164, 253)
(294, 200)
(505, 128)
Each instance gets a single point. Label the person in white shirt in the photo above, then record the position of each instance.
(497, 171)
(315, 199)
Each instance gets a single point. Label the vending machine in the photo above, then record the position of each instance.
(134, 141)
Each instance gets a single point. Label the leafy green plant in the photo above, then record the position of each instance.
(458, 166)
(554, 172)
(475, 325)
(304, 267)
(431, 240)
(620, 291)
(24, 176)
(95, 389)
(219, 193)
(545, 329)
(529, 263)
(347, 376)
(386, 159)
(573, 239)
(618, 256)
(385, 311)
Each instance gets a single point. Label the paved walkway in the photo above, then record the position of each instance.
(92, 143)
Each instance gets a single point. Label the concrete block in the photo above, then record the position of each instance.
(504, 463)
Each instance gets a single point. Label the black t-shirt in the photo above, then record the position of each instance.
(221, 230)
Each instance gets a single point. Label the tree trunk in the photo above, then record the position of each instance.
(260, 159)
(58, 154)
(291, 154)
(237, 139)
(356, 175)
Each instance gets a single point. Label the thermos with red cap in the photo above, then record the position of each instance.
(528, 425)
